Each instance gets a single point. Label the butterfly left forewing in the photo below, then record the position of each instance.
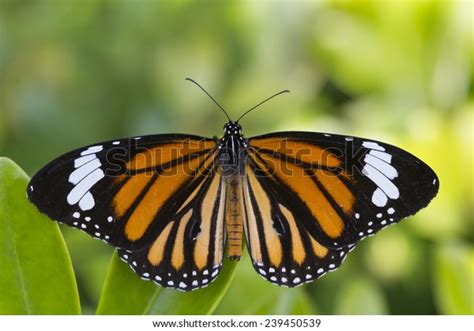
(115, 190)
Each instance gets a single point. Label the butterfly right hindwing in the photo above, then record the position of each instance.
(281, 249)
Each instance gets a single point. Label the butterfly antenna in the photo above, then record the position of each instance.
(261, 103)
(210, 96)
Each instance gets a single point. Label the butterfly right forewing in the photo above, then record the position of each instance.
(343, 188)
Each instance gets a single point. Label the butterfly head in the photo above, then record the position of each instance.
(232, 128)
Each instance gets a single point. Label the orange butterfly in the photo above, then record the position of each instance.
(172, 204)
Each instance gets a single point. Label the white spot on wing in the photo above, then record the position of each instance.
(382, 166)
(80, 161)
(80, 173)
(373, 145)
(92, 150)
(379, 170)
(379, 198)
(381, 155)
(87, 202)
(381, 181)
(84, 186)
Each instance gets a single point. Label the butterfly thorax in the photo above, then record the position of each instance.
(232, 151)
(232, 159)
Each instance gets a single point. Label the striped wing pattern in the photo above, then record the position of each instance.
(311, 197)
(307, 200)
(187, 254)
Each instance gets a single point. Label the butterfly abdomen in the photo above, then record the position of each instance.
(234, 217)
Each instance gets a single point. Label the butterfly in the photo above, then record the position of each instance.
(174, 205)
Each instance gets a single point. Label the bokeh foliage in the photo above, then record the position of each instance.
(77, 72)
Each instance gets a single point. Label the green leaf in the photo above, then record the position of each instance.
(125, 293)
(453, 270)
(249, 294)
(36, 272)
(199, 302)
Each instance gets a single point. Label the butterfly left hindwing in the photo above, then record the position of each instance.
(188, 253)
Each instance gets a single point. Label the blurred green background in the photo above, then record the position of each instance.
(76, 72)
